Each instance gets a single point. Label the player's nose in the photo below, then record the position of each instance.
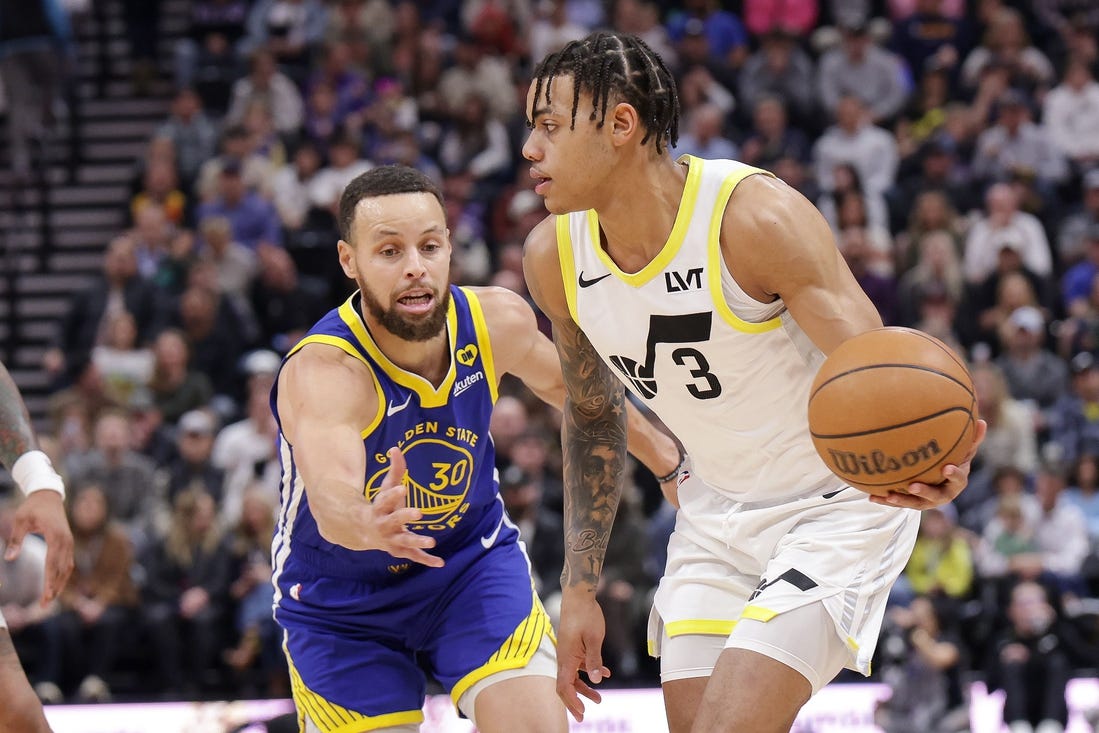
(530, 150)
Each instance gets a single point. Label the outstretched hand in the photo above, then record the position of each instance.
(929, 496)
(389, 516)
(43, 512)
(579, 641)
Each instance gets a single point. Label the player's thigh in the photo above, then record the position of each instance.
(327, 674)
(20, 709)
(686, 663)
(491, 703)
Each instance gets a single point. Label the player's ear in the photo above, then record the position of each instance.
(347, 259)
(624, 122)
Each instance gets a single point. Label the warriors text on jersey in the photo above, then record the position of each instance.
(728, 375)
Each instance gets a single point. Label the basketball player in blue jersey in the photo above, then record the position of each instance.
(393, 391)
(713, 291)
(43, 512)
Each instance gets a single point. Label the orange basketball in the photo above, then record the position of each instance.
(890, 407)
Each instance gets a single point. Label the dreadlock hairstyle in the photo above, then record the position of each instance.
(616, 66)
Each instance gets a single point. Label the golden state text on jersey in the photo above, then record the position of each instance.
(441, 430)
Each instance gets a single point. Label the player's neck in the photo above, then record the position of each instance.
(429, 359)
(637, 220)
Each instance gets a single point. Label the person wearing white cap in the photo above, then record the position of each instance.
(1035, 376)
(42, 512)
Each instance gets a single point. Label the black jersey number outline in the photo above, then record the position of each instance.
(691, 328)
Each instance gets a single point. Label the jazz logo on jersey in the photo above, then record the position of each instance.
(438, 479)
(676, 282)
(689, 328)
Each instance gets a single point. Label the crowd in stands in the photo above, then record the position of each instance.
(953, 148)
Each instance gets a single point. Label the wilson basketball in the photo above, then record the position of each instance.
(890, 407)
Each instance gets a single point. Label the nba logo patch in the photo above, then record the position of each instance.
(295, 591)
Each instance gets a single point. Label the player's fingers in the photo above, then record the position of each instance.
(396, 520)
(902, 500)
(418, 555)
(588, 691)
(389, 499)
(15, 542)
(566, 690)
(593, 661)
(397, 468)
(59, 565)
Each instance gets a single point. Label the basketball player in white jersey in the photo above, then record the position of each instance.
(713, 291)
(42, 511)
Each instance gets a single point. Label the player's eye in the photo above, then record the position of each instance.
(549, 126)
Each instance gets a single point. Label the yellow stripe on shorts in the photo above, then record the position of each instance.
(515, 652)
(332, 718)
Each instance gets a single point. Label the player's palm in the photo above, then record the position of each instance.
(579, 644)
(43, 512)
(387, 523)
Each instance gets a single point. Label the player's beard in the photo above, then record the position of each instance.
(424, 328)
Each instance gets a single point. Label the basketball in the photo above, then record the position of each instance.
(890, 407)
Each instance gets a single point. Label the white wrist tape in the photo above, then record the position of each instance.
(34, 472)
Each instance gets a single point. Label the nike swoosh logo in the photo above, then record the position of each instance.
(588, 283)
(830, 494)
(486, 542)
(394, 409)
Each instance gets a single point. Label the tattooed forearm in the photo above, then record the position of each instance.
(16, 435)
(594, 438)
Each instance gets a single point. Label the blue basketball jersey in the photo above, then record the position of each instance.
(442, 431)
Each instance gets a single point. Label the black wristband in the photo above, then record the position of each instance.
(675, 471)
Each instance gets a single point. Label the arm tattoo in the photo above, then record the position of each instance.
(16, 435)
(594, 441)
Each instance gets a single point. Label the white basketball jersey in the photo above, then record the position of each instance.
(729, 375)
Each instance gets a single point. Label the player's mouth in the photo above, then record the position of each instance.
(543, 182)
(416, 302)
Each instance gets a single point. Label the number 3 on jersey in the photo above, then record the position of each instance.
(691, 328)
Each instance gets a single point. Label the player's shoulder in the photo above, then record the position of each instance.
(541, 243)
(760, 199)
(506, 312)
(321, 364)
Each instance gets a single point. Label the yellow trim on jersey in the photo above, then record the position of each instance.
(714, 258)
(345, 346)
(332, 718)
(515, 652)
(568, 263)
(428, 394)
(758, 613)
(480, 327)
(705, 626)
(668, 252)
(852, 644)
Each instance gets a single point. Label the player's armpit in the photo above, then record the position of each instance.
(776, 244)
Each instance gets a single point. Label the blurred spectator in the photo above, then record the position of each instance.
(192, 134)
(1081, 226)
(705, 135)
(160, 187)
(859, 253)
(552, 29)
(368, 27)
(236, 145)
(1005, 226)
(861, 69)
(142, 23)
(350, 85)
(152, 235)
(917, 657)
(1074, 419)
(187, 577)
(939, 178)
(941, 564)
(289, 29)
(1083, 491)
(701, 77)
(176, 386)
(249, 543)
(267, 84)
(216, 335)
(126, 477)
(1006, 46)
(1008, 551)
(253, 219)
(929, 38)
(624, 585)
(932, 211)
(1060, 532)
(795, 18)
(846, 203)
(539, 528)
(290, 187)
(191, 469)
(855, 140)
(937, 271)
(245, 451)
(476, 144)
(477, 72)
(206, 57)
(725, 35)
(1034, 375)
(124, 366)
(285, 304)
(1078, 281)
(264, 140)
(642, 19)
(1031, 663)
(96, 605)
(344, 165)
(72, 411)
(34, 49)
(1011, 439)
(236, 264)
(771, 138)
(779, 68)
(88, 315)
(1070, 113)
(1015, 145)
